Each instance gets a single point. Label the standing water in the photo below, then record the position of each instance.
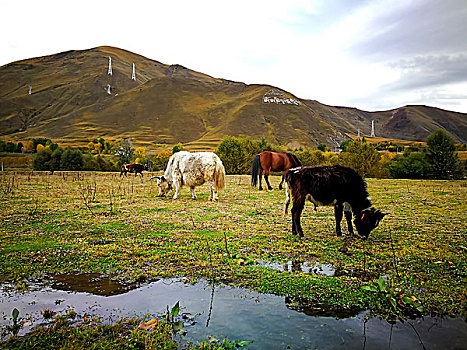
(272, 322)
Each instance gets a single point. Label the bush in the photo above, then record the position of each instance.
(237, 153)
(410, 165)
(363, 157)
(71, 159)
(42, 160)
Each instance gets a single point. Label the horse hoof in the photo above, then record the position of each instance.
(270, 188)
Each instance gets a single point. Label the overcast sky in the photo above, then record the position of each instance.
(369, 54)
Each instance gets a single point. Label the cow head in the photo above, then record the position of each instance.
(367, 220)
(164, 185)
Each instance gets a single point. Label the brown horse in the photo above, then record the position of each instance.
(272, 161)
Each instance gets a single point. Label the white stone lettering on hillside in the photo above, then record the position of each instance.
(273, 96)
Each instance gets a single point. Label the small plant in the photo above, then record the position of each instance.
(47, 313)
(15, 327)
(176, 325)
(214, 343)
(391, 299)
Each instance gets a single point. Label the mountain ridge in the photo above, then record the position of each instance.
(167, 104)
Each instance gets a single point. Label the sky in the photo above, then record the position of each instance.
(369, 54)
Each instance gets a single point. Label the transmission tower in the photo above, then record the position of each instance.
(110, 66)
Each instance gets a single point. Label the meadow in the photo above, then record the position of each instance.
(76, 222)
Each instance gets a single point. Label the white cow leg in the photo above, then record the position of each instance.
(177, 190)
(193, 194)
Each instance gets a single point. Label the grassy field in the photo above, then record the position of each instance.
(99, 222)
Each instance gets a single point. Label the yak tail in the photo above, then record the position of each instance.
(219, 176)
(255, 170)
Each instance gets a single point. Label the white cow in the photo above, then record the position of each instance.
(192, 169)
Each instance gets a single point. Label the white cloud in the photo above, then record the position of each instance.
(335, 51)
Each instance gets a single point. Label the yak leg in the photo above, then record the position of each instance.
(338, 210)
(287, 198)
(177, 186)
(297, 209)
(214, 196)
(348, 217)
(266, 178)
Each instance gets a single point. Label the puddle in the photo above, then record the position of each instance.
(90, 283)
(273, 322)
(300, 266)
(317, 268)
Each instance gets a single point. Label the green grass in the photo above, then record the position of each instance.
(52, 223)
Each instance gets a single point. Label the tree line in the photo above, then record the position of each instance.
(438, 160)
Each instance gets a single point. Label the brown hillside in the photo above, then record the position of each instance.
(168, 104)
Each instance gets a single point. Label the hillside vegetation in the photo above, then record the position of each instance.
(167, 104)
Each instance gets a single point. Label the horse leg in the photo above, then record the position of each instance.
(266, 175)
(282, 179)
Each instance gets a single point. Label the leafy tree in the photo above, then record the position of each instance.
(161, 159)
(42, 159)
(140, 154)
(410, 165)
(55, 159)
(237, 153)
(442, 156)
(344, 144)
(71, 159)
(231, 153)
(177, 148)
(40, 147)
(29, 147)
(125, 151)
(311, 157)
(363, 157)
(19, 147)
(322, 147)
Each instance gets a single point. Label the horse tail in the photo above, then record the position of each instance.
(219, 176)
(255, 170)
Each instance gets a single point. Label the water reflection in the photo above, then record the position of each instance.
(319, 309)
(226, 312)
(317, 268)
(90, 283)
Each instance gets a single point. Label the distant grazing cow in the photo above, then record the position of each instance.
(133, 168)
(192, 169)
(332, 185)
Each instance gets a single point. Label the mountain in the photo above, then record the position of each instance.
(166, 104)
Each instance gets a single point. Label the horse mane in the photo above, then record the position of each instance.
(293, 159)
